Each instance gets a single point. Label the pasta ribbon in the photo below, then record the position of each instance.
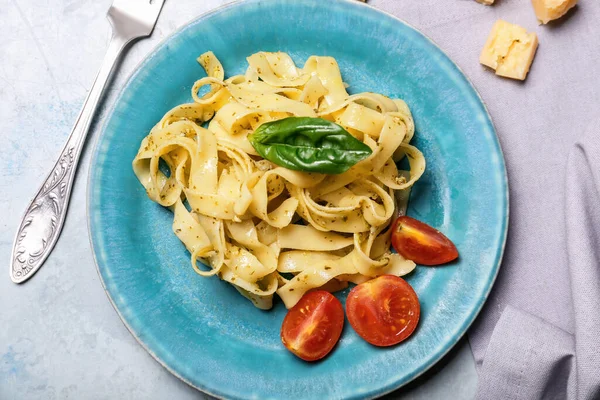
(263, 228)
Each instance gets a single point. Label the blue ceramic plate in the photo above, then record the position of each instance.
(201, 329)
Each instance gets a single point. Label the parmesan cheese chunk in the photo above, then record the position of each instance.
(548, 10)
(486, 2)
(509, 50)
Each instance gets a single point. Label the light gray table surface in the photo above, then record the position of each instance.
(60, 338)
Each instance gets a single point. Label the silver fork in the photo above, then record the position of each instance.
(44, 218)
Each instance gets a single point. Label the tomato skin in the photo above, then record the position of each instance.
(383, 311)
(313, 326)
(421, 243)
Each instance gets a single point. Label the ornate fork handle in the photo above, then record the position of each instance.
(45, 215)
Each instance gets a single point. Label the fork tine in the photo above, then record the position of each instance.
(135, 18)
(156, 3)
(155, 6)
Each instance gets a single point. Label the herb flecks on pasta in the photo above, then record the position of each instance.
(267, 229)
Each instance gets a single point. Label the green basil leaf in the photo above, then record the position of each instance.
(309, 145)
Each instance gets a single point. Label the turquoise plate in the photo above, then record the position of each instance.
(201, 329)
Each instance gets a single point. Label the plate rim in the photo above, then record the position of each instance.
(378, 392)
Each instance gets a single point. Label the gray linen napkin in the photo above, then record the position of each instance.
(529, 358)
(538, 337)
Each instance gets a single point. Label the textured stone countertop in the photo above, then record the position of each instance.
(60, 338)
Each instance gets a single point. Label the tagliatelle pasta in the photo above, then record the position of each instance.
(267, 229)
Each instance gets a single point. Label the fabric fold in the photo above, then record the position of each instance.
(530, 358)
(527, 358)
(582, 211)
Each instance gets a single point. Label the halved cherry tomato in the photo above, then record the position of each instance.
(383, 311)
(421, 243)
(313, 326)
